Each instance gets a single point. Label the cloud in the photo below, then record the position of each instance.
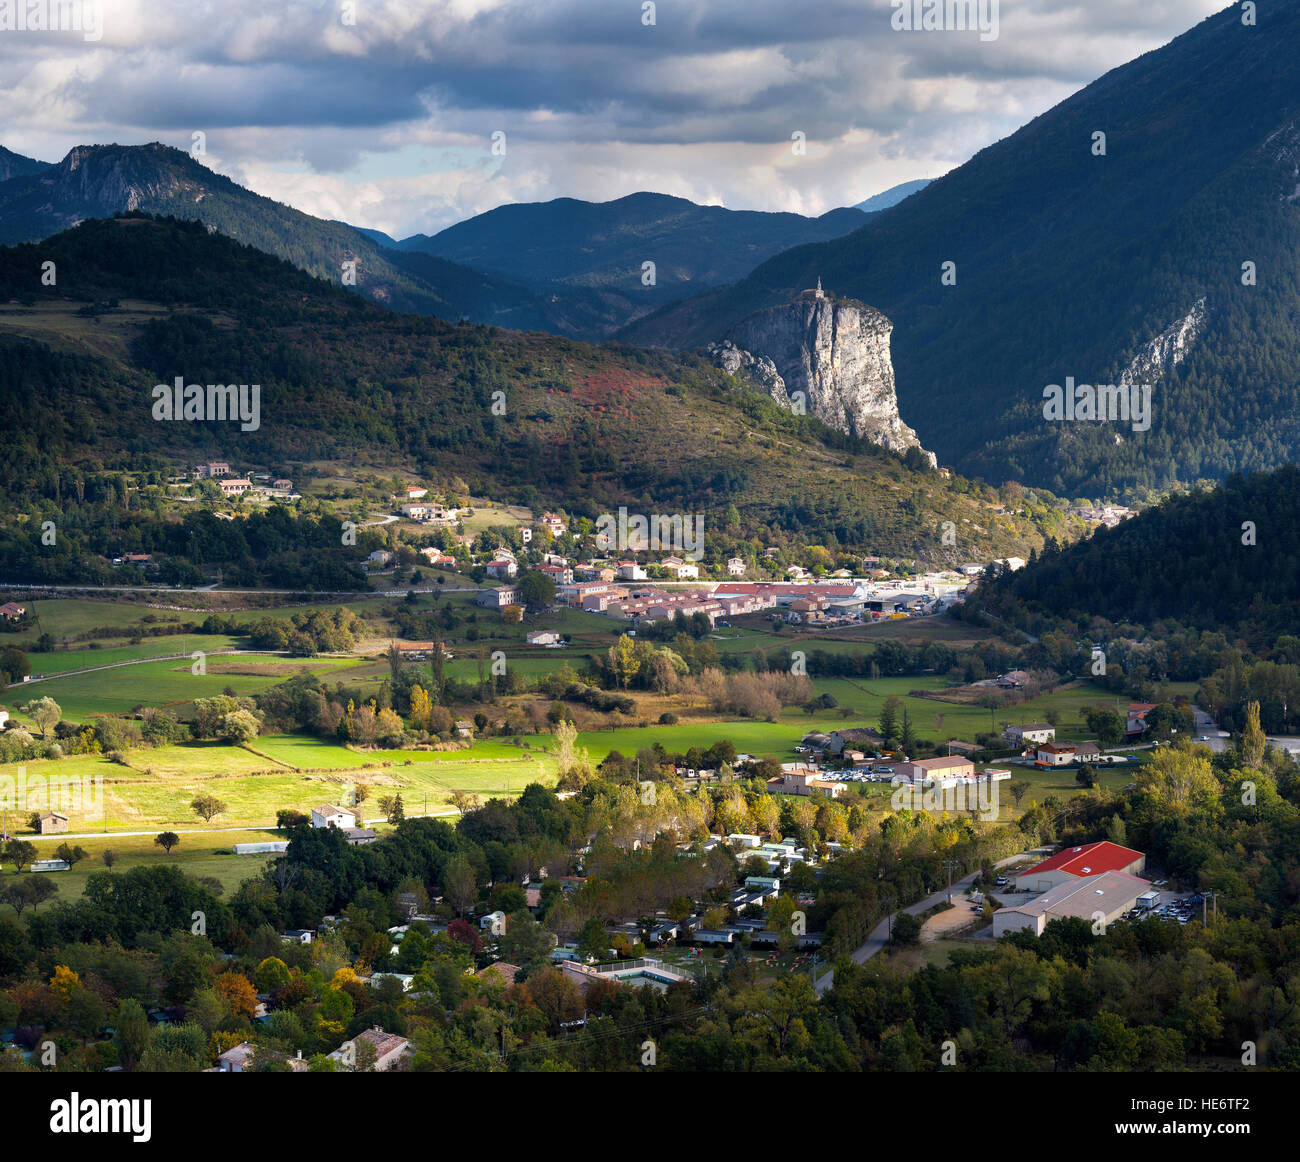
(387, 121)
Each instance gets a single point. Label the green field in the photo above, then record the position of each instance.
(168, 683)
(196, 855)
(155, 790)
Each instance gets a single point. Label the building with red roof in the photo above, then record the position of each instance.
(1074, 863)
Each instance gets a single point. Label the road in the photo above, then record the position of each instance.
(879, 936)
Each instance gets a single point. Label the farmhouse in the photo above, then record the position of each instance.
(391, 1051)
(53, 823)
(1027, 732)
(735, 567)
(542, 637)
(1136, 723)
(1105, 897)
(236, 1059)
(235, 486)
(497, 598)
(12, 611)
(1063, 754)
(1076, 863)
(331, 816)
(680, 569)
(502, 568)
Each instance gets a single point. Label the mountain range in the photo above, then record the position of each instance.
(604, 245)
(567, 267)
(1143, 233)
(347, 387)
(1147, 225)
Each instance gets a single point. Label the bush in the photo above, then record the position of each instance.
(668, 718)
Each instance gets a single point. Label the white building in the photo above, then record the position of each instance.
(497, 598)
(1103, 898)
(331, 816)
(1026, 732)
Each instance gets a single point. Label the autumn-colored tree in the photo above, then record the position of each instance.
(623, 660)
(421, 707)
(64, 981)
(1179, 780)
(239, 992)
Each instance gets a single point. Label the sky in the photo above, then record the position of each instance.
(410, 115)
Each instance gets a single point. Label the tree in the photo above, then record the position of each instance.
(20, 853)
(130, 1032)
(1116, 831)
(1086, 776)
(44, 712)
(1018, 788)
(1253, 742)
(239, 993)
(28, 892)
(459, 884)
(526, 943)
(70, 854)
(207, 807)
(906, 930)
(421, 708)
(397, 811)
(536, 588)
(167, 840)
(239, 726)
(1179, 780)
(512, 614)
(889, 718)
(593, 940)
(109, 856)
(1106, 725)
(624, 661)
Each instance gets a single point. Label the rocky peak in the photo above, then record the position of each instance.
(826, 356)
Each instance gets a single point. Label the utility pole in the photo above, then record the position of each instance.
(949, 864)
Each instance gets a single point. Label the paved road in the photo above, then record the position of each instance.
(880, 934)
(1205, 725)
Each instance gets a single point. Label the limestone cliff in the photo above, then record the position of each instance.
(828, 357)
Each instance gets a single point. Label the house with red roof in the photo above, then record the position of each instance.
(1074, 863)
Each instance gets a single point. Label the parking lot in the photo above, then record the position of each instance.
(1173, 906)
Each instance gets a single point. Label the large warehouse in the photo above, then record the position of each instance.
(1105, 897)
(1078, 862)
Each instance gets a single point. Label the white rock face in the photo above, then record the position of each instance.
(834, 353)
(1166, 350)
